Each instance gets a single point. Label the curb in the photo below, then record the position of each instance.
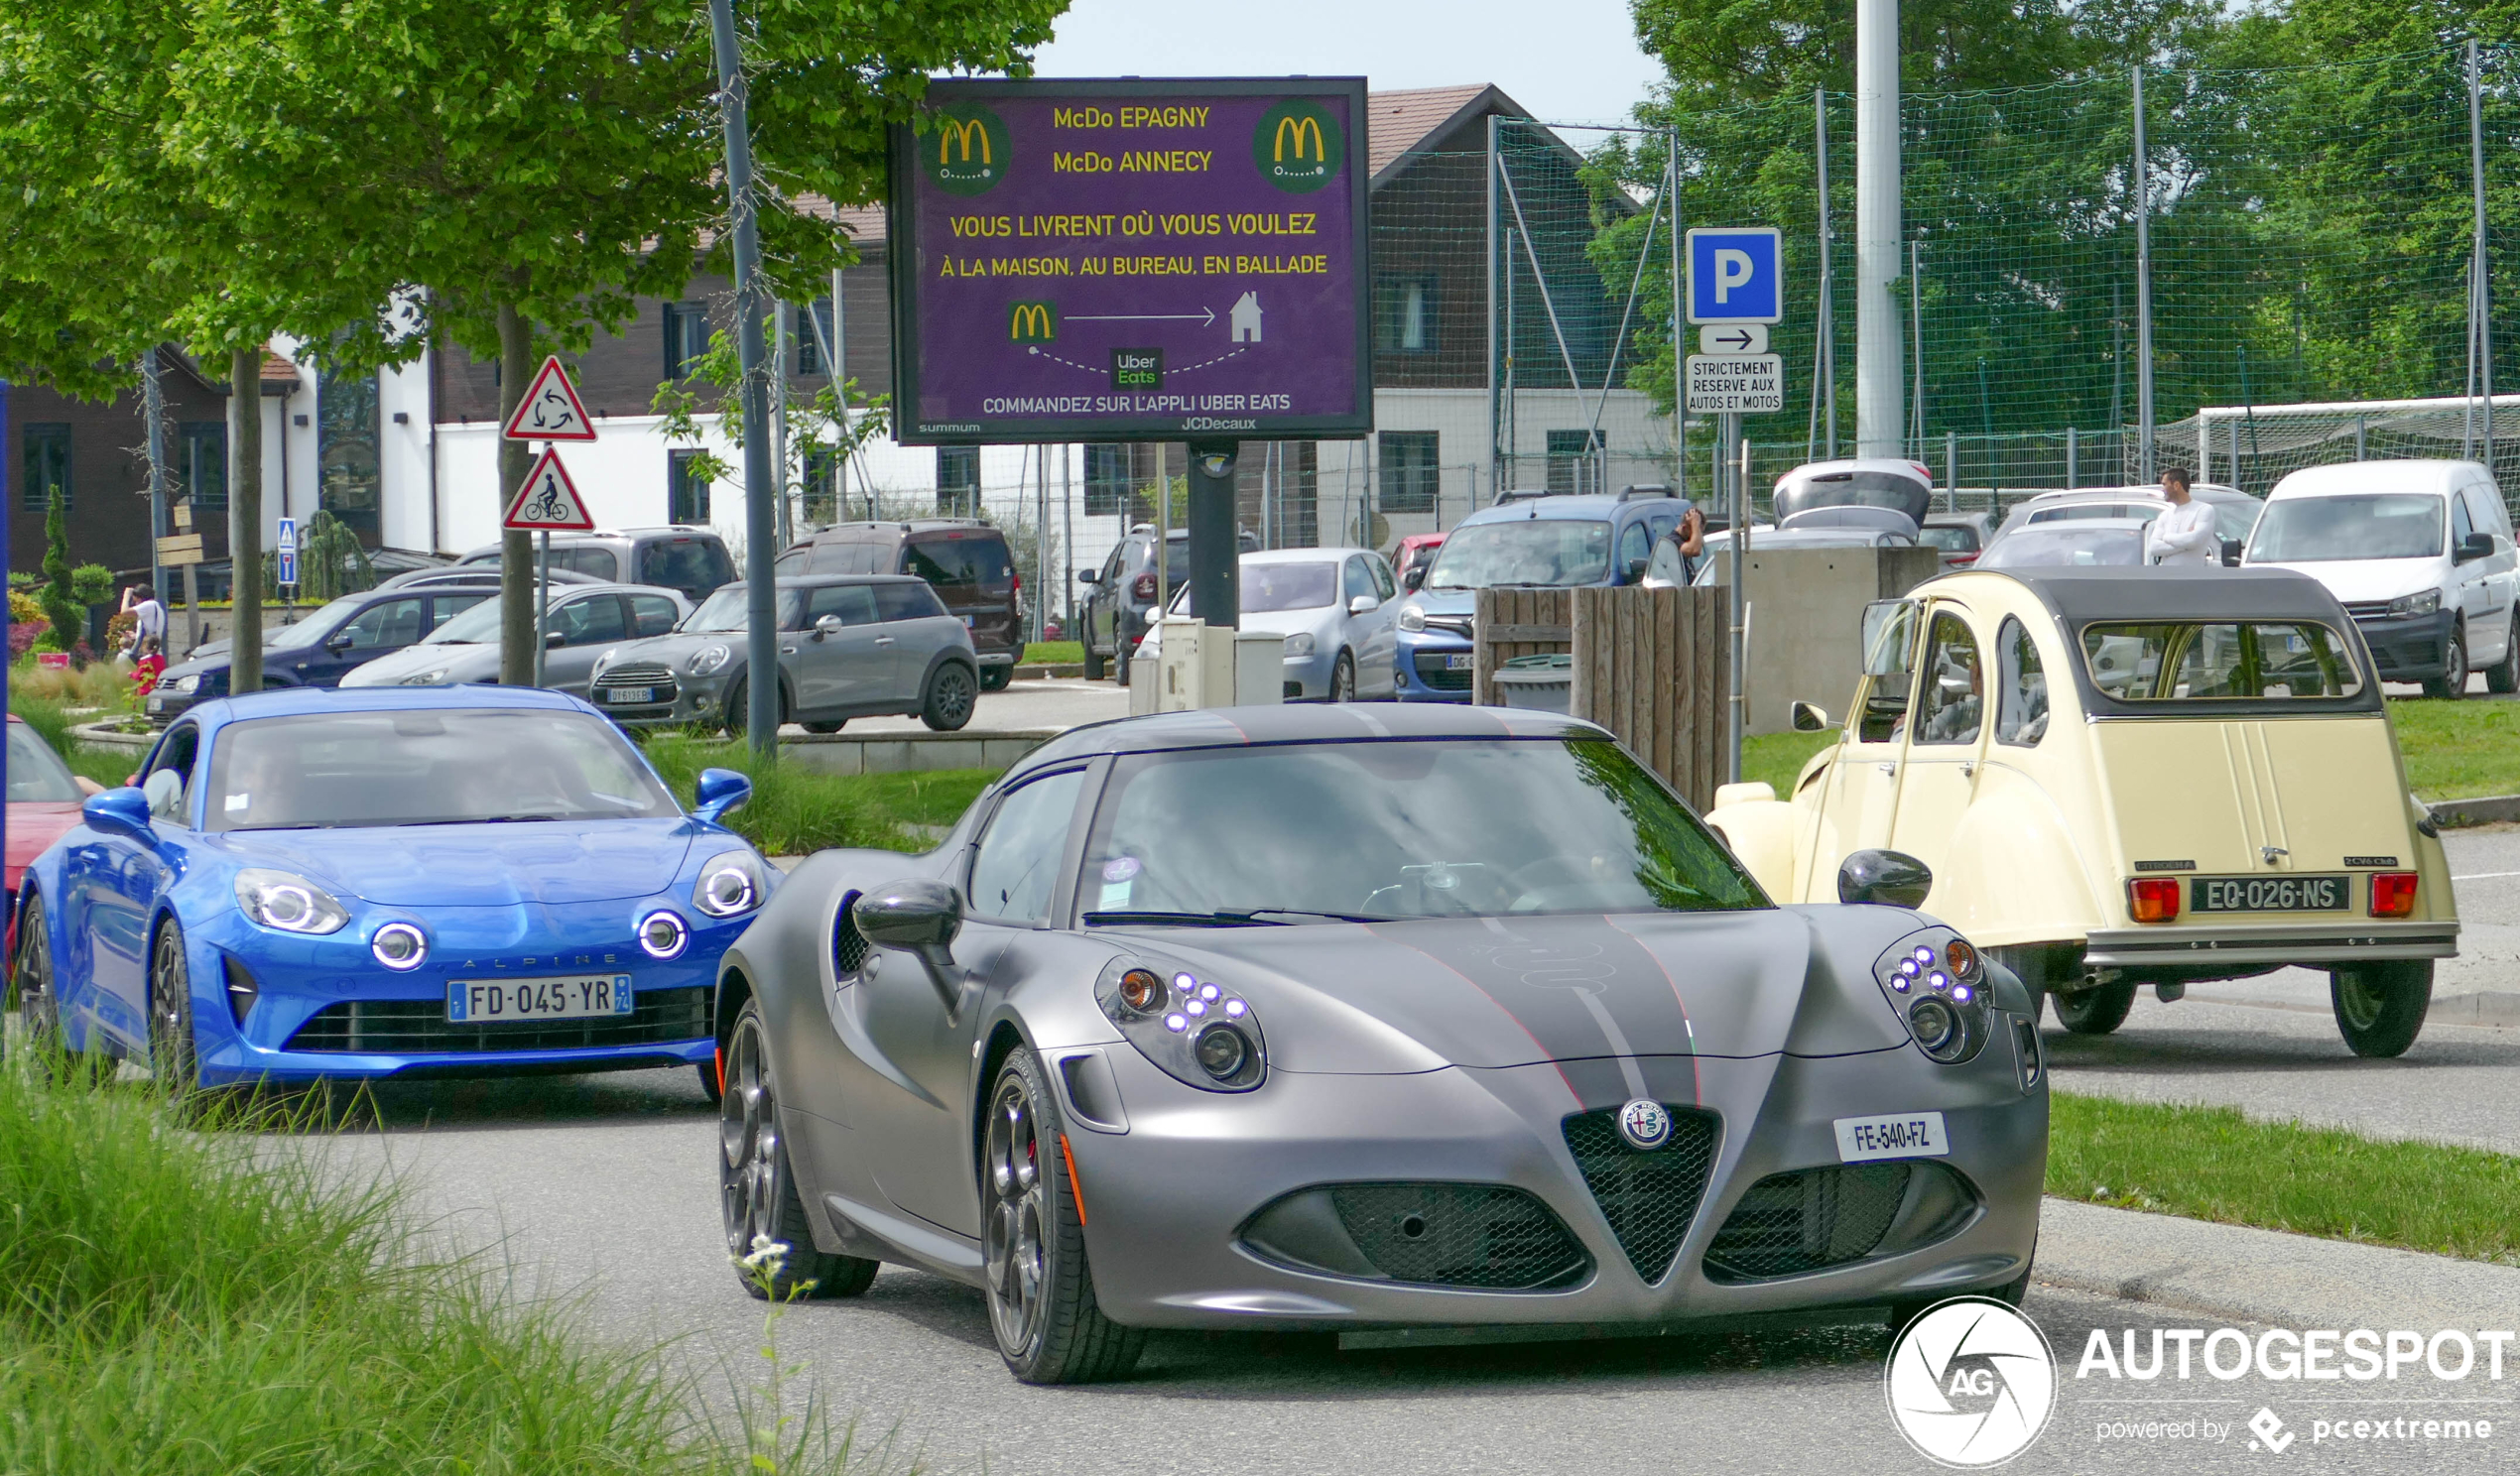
(102, 735)
(2240, 1274)
(2482, 809)
(1041, 673)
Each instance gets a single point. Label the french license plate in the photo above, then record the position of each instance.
(629, 696)
(156, 704)
(1900, 1135)
(2286, 893)
(966, 623)
(584, 997)
(1458, 661)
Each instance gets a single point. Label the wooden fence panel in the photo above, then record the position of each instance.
(1512, 623)
(1648, 664)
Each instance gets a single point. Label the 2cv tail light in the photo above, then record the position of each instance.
(2153, 899)
(2392, 893)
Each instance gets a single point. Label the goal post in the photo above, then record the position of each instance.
(2252, 446)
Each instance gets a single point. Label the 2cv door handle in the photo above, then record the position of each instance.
(1890, 769)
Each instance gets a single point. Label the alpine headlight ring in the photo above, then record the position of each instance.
(730, 884)
(285, 902)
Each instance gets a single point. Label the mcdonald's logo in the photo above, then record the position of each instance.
(1294, 130)
(1031, 322)
(966, 149)
(971, 134)
(1299, 146)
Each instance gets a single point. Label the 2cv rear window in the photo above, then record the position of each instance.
(2271, 661)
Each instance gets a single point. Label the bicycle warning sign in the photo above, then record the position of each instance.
(549, 500)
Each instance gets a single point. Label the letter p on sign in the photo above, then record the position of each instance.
(1735, 275)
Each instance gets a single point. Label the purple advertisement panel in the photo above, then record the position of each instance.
(1132, 261)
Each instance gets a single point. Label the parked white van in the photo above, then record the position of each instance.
(2419, 552)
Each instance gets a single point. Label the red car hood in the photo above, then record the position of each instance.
(33, 825)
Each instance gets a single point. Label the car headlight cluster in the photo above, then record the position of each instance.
(1937, 984)
(1200, 1032)
(288, 903)
(708, 659)
(1300, 644)
(189, 681)
(1412, 618)
(431, 678)
(2405, 605)
(730, 884)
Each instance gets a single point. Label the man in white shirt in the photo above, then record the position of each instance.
(141, 602)
(2184, 533)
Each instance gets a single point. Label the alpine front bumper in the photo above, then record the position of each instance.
(1172, 1202)
(317, 1008)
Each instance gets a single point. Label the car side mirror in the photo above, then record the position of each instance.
(1810, 717)
(553, 640)
(829, 625)
(720, 792)
(922, 918)
(1414, 577)
(123, 811)
(1364, 604)
(2231, 552)
(1635, 570)
(339, 644)
(1088, 576)
(1889, 878)
(2473, 546)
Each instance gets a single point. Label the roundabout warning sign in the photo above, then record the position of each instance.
(1132, 261)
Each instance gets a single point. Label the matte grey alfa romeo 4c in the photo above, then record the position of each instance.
(1366, 1020)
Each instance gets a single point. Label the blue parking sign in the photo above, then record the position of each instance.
(1736, 274)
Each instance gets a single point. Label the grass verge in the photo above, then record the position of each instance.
(795, 810)
(181, 1303)
(1055, 653)
(1777, 757)
(2213, 1164)
(107, 766)
(2458, 750)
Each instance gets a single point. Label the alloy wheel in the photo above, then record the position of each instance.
(1343, 679)
(171, 1056)
(748, 1144)
(1017, 1209)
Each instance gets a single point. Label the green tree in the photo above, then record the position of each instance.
(66, 592)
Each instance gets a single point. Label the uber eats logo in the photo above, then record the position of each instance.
(968, 150)
(1299, 146)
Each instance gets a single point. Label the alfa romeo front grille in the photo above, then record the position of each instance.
(420, 1027)
(1809, 1220)
(1649, 1198)
(1459, 1235)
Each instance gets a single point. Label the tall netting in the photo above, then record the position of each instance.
(2311, 234)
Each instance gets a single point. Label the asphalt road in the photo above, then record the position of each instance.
(601, 1190)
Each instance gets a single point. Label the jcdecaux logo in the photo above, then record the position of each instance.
(968, 150)
(1299, 146)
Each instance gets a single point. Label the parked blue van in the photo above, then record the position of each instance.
(1555, 541)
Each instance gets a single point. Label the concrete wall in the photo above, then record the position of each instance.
(1806, 608)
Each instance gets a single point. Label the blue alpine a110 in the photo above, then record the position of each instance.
(317, 882)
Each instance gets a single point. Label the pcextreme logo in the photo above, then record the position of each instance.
(1972, 1383)
(1299, 146)
(969, 150)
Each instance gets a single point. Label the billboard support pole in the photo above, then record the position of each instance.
(760, 523)
(1214, 588)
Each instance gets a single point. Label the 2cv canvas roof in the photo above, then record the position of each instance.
(2079, 597)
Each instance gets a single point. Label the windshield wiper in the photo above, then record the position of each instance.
(1223, 918)
(1255, 914)
(479, 820)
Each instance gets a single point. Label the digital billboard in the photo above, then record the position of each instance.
(1131, 260)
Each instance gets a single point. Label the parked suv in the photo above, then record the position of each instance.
(691, 561)
(850, 646)
(966, 562)
(1121, 595)
(1550, 539)
(2419, 552)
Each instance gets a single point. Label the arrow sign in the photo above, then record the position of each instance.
(1733, 338)
(1204, 319)
(549, 500)
(551, 410)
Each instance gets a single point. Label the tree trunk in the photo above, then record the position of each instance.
(516, 547)
(245, 519)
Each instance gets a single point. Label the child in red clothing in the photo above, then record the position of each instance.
(151, 665)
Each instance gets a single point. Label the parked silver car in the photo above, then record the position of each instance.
(585, 621)
(850, 646)
(1334, 606)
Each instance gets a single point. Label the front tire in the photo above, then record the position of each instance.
(2502, 679)
(2452, 682)
(37, 1005)
(833, 726)
(995, 678)
(951, 693)
(739, 707)
(174, 1052)
(2380, 1007)
(757, 1189)
(1343, 679)
(1050, 1328)
(2097, 1012)
(1093, 656)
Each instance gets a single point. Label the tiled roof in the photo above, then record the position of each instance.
(1399, 121)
